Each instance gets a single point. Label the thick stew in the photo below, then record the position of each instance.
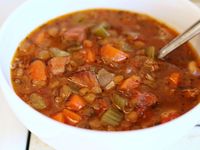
(98, 69)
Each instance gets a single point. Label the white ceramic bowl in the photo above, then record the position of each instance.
(179, 14)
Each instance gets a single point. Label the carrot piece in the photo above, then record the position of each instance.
(109, 54)
(75, 103)
(130, 83)
(59, 117)
(174, 79)
(37, 70)
(90, 56)
(71, 117)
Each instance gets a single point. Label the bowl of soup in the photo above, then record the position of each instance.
(85, 74)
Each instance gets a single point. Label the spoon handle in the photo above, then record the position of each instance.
(181, 39)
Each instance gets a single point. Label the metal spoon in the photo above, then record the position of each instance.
(181, 39)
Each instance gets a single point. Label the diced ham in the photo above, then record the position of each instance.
(145, 99)
(57, 65)
(84, 79)
(75, 34)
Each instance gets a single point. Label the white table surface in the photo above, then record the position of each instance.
(13, 135)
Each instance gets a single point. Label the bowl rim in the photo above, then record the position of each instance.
(7, 90)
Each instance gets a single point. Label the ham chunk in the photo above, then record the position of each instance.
(57, 65)
(75, 34)
(85, 79)
(144, 100)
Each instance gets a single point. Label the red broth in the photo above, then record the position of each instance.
(98, 69)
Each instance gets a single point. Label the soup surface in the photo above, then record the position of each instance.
(97, 69)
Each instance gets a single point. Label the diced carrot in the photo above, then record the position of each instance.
(75, 103)
(37, 70)
(111, 54)
(90, 56)
(130, 83)
(174, 79)
(57, 64)
(71, 117)
(59, 117)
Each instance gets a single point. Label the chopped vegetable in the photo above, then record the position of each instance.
(65, 91)
(44, 55)
(96, 90)
(112, 117)
(83, 91)
(57, 64)
(193, 68)
(37, 101)
(123, 45)
(130, 83)
(84, 79)
(56, 52)
(90, 97)
(119, 101)
(111, 85)
(111, 54)
(132, 117)
(104, 77)
(75, 48)
(151, 52)
(71, 117)
(101, 30)
(90, 56)
(174, 79)
(118, 79)
(75, 103)
(59, 117)
(37, 70)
